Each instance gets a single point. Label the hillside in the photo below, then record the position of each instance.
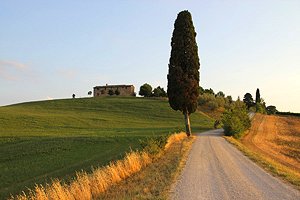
(48, 139)
(276, 137)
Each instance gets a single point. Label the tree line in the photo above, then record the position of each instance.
(146, 91)
(259, 105)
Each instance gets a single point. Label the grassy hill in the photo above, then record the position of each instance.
(49, 139)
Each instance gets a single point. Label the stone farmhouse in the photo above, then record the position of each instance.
(121, 90)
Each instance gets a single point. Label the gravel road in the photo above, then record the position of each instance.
(217, 170)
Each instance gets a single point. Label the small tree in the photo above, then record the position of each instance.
(73, 95)
(236, 120)
(257, 96)
(145, 90)
(271, 110)
(159, 92)
(220, 94)
(248, 100)
(209, 91)
(90, 93)
(183, 76)
(111, 92)
(201, 90)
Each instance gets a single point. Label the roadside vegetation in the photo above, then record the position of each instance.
(91, 185)
(45, 140)
(271, 165)
(235, 120)
(272, 141)
(154, 181)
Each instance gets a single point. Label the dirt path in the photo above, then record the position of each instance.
(217, 170)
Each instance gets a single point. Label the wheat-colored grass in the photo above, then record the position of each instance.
(175, 138)
(88, 186)
(275, 137)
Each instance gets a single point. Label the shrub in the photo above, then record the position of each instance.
(236, 120)
(212, 105)
(111, 92)
(221, 101)
(154, 145)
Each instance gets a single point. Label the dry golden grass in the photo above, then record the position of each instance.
(155, 180)
(276, 137)
(175, 138)
(90, 186)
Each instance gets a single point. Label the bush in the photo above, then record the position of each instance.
(111, 92)
(260, 108)
(205, 98)
(154, 145)
(217, 124)
(212, 105)
(159, 92)
(220, 101)
(236, 120)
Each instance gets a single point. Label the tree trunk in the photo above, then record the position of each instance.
(187, 123)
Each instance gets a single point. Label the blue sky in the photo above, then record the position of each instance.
(52, 49)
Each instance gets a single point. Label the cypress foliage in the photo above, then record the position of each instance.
(257, 97)
(183, 76)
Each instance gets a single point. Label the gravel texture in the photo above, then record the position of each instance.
(217, 170)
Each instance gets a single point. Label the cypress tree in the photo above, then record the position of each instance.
(257, 97)
(183, 76)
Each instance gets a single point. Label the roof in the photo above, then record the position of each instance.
(106, 86)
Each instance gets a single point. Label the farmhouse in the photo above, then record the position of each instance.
(122, 90)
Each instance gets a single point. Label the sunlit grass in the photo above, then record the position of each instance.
(89, 186)
(53, 139)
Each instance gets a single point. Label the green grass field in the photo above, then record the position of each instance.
(43, 140)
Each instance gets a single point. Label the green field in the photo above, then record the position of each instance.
(50, 139)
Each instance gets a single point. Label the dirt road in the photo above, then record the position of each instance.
(216, 170)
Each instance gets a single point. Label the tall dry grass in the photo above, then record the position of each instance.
(88, 186)
(175, 138)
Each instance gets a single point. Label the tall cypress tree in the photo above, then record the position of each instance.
(257, 97)
(183, 76)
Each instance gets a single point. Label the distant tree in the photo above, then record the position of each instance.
(159, 92)
(183, 76)
(163, 92)
(257, 97)
(229, 98)
(145, 90)
(90, 93)
(111, 92)
(117, 92)
(73, 95)
(209, 91)
(271, 110)
(212, 105)
(261, 107)
(248, 100)
(220, 94)
(201, 90)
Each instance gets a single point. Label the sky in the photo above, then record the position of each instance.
(52, 49)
